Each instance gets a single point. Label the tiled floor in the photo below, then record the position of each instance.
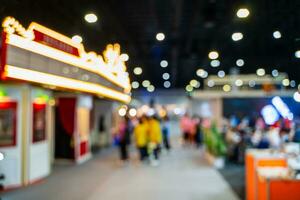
(183, 174)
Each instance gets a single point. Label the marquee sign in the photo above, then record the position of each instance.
(42, 56)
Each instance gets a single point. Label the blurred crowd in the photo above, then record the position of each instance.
(247, 132)
(149, 134)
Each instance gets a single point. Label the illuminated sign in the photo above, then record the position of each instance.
(67, 59)
(282, 108)
(270, 114)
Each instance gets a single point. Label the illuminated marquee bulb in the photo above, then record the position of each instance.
(124, 57)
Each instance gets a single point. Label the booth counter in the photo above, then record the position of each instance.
(269, 177)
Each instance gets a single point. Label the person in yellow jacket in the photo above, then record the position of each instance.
(155, 137)
(141, 137)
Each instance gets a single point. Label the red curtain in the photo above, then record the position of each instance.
(66, 109)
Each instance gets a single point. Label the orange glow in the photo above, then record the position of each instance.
(67, 83)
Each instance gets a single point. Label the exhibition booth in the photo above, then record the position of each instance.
(51, 91)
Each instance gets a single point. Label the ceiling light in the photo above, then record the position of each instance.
(275, 73)
(164, 63)
(286, 82)
(160, 36)
(166, 76)
(197, 85)
(260, 72)
(205, 75)
(124, 57)
(77, 39)
(297, 96)
(213, 55)
(238, 82)
(215, 63)
(150, 88)
(276, 34)
(293, 83)
(189, 88)
(237, 36)
(243, 13)
(252, 83)
(210, 83)
(226, 88)
(200, 72)
(167, 84)
(135, 84)
(221, 74)
(91, 18)
(297, 54)
(240, 62)
(137, 71)
(146, 83)
(193, 83)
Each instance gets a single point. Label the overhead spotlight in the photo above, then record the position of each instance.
(91, 18)
(286, 82)
(293, 83)
(297, 54)
(189, 88)
(124, 57)
(137, 71)
(260, 72)
(146, 83)
(77, 39)
(205, 75)
(210, 83)
(226, 88)
(221, 74)
(238, 82)
(160, 36)
(252, 83)
(164, 63)
(277, 34)
(166, 76)
(243, 13)
(215, 63)
(197, 85)
(200, 72)
(213, 55)
(135, 84)
(275, 73)
(297, 97)
(193, 83)
(167, 84)
(150, 88)
(240, 62)
(237, 36)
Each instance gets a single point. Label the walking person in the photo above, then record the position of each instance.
(166, 132)
(185, 125)
(155, 139)
(124, 131)
(141, 137)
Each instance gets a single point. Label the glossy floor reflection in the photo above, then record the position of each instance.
(183, 174)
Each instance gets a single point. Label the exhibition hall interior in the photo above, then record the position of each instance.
(150, 100)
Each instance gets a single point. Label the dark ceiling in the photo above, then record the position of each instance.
(192, 29)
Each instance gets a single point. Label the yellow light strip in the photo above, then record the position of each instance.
(67, 83)
(55, 54)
